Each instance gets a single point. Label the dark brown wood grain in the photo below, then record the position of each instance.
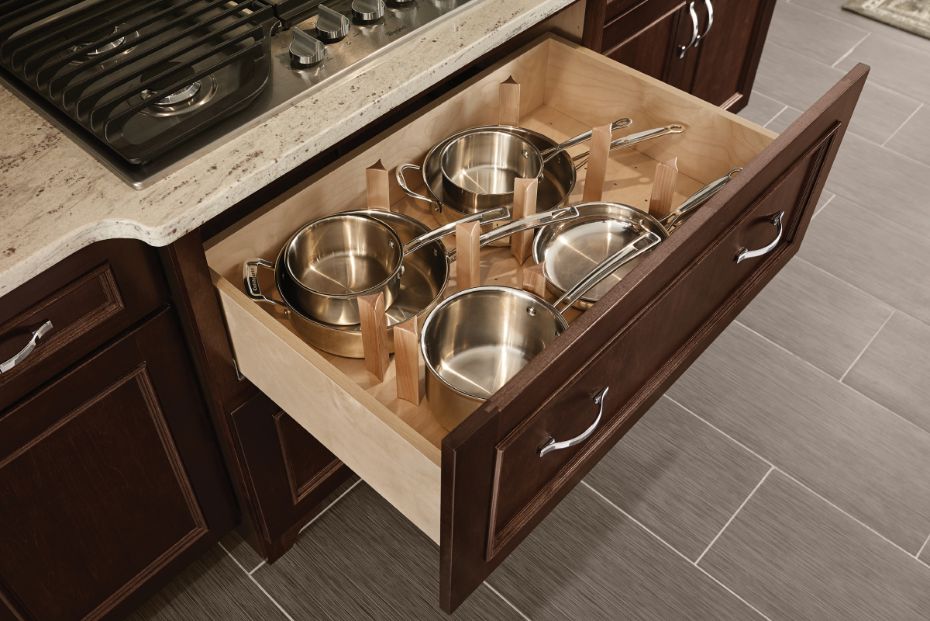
(90, 298)
(110, 480)
(646, 38)
(637, 340)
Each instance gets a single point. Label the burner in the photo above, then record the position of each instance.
(89, 50)
(181, 101)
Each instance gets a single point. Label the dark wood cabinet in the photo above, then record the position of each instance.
(710, 48)
(110, 478)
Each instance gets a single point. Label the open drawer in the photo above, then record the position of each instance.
(481, 487)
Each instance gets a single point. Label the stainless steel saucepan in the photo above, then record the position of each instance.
(423, 282)
(556, 182)
(474, 341)
(332, 261)
(569, 250)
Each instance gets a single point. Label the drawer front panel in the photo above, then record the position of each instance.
(712, 285)
(88, 299)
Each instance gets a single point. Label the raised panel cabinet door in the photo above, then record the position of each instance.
(107, 476)
(729, 50)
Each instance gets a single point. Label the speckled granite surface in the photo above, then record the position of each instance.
(55, 198)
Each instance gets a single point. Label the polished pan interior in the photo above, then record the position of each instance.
(482, 337)
(569, 250)
(424, 279)
(488, 163)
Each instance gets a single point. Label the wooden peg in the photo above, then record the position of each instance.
(407, 360)
(596, 172)
(374, 333)
(509, 113)
(524, 204)
(663, 188)
(534, 279)
(467, 255)
(379, 189)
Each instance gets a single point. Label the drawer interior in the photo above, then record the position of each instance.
(393, 444)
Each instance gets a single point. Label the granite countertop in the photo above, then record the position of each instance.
(55, 198)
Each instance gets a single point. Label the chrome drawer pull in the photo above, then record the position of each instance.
(710, 22)
(552, 445)
(24, 353)
(752, 254)
(695, 35)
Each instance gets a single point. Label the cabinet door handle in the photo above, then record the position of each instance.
(24, 353)
(695, 35)
(745, 253)
(709, 4)
(552, 445)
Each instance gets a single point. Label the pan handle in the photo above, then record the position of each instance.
(552, 445)
(639, 246)
(535, 221)
(633, 139)
(488, 215)
(551, 152)
(402, 182)
(250, 280)
(697, 199)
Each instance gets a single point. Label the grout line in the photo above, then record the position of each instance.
(845, 386)
(256, 568)
(256, 583)
(874, 336)
(851, 50)
(824, 206)
(735, 513)
(327, 508)
(922, 548)
(777, 114)
(835, 277)
(901, 126)
(673, 549)
(506, 601)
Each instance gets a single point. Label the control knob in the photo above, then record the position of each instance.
(305, 50)
(331, 25)
(367, 11)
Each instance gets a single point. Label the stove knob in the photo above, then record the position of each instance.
(331, 25)
(305, 50)
(367, 11)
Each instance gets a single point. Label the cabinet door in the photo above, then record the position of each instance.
(108, 476)
(729, 49)
(648, 37)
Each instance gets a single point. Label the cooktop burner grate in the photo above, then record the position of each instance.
(140, 75)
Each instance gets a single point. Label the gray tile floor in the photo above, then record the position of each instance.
(785, 476)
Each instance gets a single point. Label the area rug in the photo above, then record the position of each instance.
(910, 15)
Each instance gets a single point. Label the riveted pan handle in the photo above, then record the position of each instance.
(633, 139)
(400, 173)
(694, 201)
(250, 279)
(483, 217)
(552, 446)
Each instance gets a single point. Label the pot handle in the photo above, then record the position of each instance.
(552, 445)
(696, 200)
(633, 139)
(535, 221)
(250, 280)
(402, 182)
(488, 215)
(639, 246)
(551, 152)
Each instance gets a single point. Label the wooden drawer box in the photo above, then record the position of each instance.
(480, 488)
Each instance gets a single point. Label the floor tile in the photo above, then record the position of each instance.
(761, 108)
(211, 588)
(363, 560)
(589, 561)
(841, 444)
(895, 369)
(812, 34)
(874, 177)
(678, 476)
(785, 118)
(240, 550)
(880, 255)
(895, 65)
(795, 557)
(817, 316)
(925, 554)
(831, 8)
(913, 139)
(825, 199)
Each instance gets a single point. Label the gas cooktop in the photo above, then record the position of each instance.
(148, 85)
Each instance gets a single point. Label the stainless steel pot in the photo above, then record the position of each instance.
(474, 341)
(423, 282)
(332, 261)
(556, 184)
(569, 250)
